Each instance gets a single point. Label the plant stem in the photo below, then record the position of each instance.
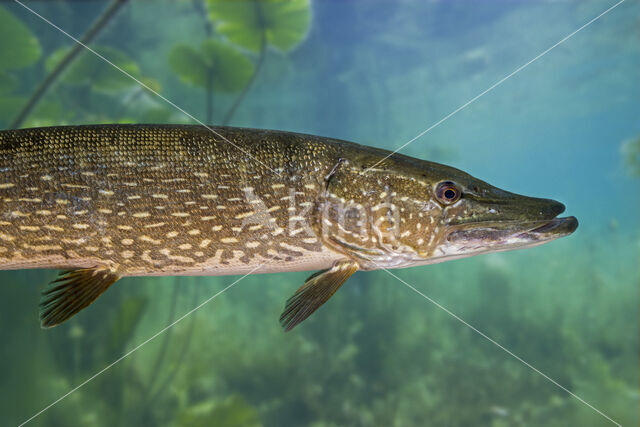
(46, 84)
(259, 62)
(236, 103)
(201, 9)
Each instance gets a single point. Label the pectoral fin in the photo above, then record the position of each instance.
(72, 291)
(317, 289)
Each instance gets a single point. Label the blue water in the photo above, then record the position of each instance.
(378, 73)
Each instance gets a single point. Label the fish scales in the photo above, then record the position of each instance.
(156, 200)
(107, 201)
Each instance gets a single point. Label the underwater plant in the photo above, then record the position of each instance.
(70, 76)
(258, 24)
(215, 66)
(255, 24)
(229, 69)
(89, 69)
(233, 29)
(43, 87)
(233, 411)
(22, 52)
(101, 90)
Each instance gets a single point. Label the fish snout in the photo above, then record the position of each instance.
(551, 209)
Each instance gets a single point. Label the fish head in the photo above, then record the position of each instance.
(479, 218)
(404, 211)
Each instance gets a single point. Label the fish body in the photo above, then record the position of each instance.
(161, 200)
(109, 201)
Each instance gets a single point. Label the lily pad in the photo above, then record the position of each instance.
(282, 24)
(19, 47)
(92, 70)
(230, 69)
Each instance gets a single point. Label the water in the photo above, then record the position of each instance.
(377, 73)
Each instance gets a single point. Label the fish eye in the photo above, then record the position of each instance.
(448, 192)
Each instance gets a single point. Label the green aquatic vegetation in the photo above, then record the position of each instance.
(77, 349)
(47, 82)
(631, 153)
(90, 70)
(214, 64)
(220, 64)
(8, 104)
(154, 115)
(107, 331)
(377, 356)
(124, 326)
(7, 82)
(255, 23)
(47, 113)
(233, 411)
(397, 360)
(23, 50)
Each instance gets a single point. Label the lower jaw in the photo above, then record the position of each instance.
(557, 227)
(536, 231)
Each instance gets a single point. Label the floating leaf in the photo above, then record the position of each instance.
(92, 70)
(230, 69)
(280, 23)
(19, 47)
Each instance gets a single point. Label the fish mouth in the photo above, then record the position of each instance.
(506, 235)
(557, 227)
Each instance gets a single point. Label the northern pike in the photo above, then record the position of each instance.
(104, 202)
